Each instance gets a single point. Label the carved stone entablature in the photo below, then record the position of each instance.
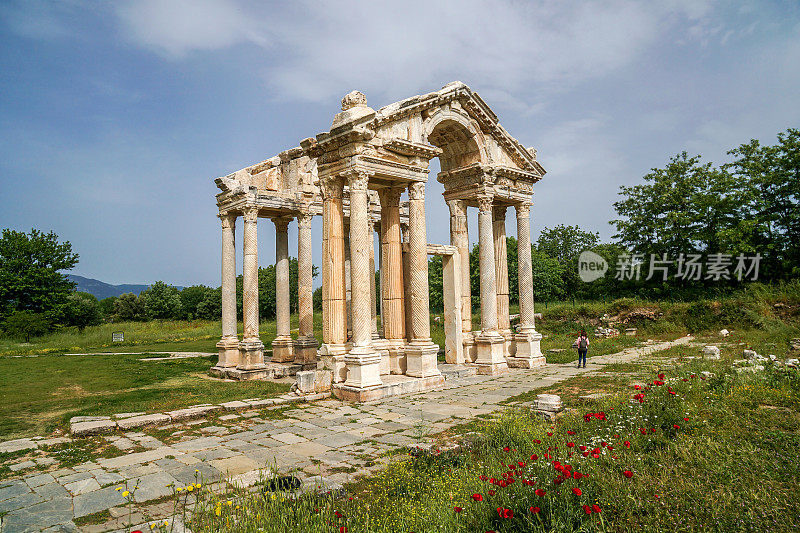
(408, 148)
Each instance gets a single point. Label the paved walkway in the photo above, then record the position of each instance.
(326, 438)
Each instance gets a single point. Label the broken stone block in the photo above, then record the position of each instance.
(95, 427)
(710, 352)
(630, 332)
(793, 363)
(548, 405)
(724, 333)
(156, 419)
(193, 412)
(313, 381)
(749, 354)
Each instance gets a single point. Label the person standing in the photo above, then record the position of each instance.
(582, 343)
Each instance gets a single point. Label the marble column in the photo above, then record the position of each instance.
(491, 359)
(459, 237)
(229, 343)
(528, 352)
(334, 320)
(363, 362)
(251, 347)
(305, 347)
(501, 273)
(282, 345)
(372, 292)
(393, 317)
(421, 352)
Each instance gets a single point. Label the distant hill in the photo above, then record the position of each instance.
(104, 290)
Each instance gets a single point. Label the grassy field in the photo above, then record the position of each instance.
(42, 393)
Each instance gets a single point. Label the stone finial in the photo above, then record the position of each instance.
(354, 99)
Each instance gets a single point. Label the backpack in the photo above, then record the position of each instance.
(583, 343)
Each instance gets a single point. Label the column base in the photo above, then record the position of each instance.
(305, 352)
(381, 346)
(251, 355)
(363, 369)
(509, 349)
(282, 349)
(397, 356)
(491, 358)
(228, 352)
(393, 386)
(421, 359)
(331, 357)
(470, 349)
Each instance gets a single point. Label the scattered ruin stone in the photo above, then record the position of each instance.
(794, 344)
(95, 427)
(749, 354)
(630, 332)
(724, 333)
(710, 352)
(548, 405)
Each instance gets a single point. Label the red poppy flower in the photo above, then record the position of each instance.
(520, 463)
(505, 449)
(676, 426)
(587, 509)
(537, 441)
(457, 509)
(540, 492)
(534, 457)
(477, 497)
(534, 510)
(576, 491)
(577, 475)
(343, 529)
(570, 432)
(570, 445)
(482, 477)
(505, 513)
(582, 448)
(609, 448)
(549, 434)
(627, 443)
(685, 419)
(596, 509)
(491, 493)
(338, 514)
(661, 376)
(628, 474)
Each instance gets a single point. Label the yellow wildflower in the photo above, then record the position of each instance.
(126, 493)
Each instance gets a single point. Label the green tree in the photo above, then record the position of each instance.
(26, 324)
(161, 301)
(82, 309)
(685, 207)
(435, 280)
(548, 277)
(129, 307)
(769, 193)
(211, 306)
(565, 244)
(30, 272)
(107, 307)
(191, 298)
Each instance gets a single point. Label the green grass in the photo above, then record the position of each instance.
(42, 393)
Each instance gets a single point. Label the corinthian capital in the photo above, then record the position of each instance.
(523, 210)
(330, 187)
(485, 202)
(390, 196)
(304, 218)
(499, 212)
(228, 220)
(357, 180)
(416, 191)
(457, 208)
(250, 214)
(282, 223)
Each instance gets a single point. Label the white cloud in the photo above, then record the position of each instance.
(391, 49)
(176, 27)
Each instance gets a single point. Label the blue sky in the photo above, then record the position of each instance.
(116, 117)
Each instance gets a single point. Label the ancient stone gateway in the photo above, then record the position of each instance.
(353, 176)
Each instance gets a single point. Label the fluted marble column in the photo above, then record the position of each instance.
(334, 320)
(372, 292)
(528, 352)
(393, 317)
(305, 347)
(421, 352)
(229, 343)
(282, 345)
(251, 347)
(491, 358)
(363, 362)
(501, 273)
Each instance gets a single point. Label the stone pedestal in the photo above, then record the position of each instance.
(527, 351)
(421, 360)
(491, 357)
(397, 355)
(228, 353)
